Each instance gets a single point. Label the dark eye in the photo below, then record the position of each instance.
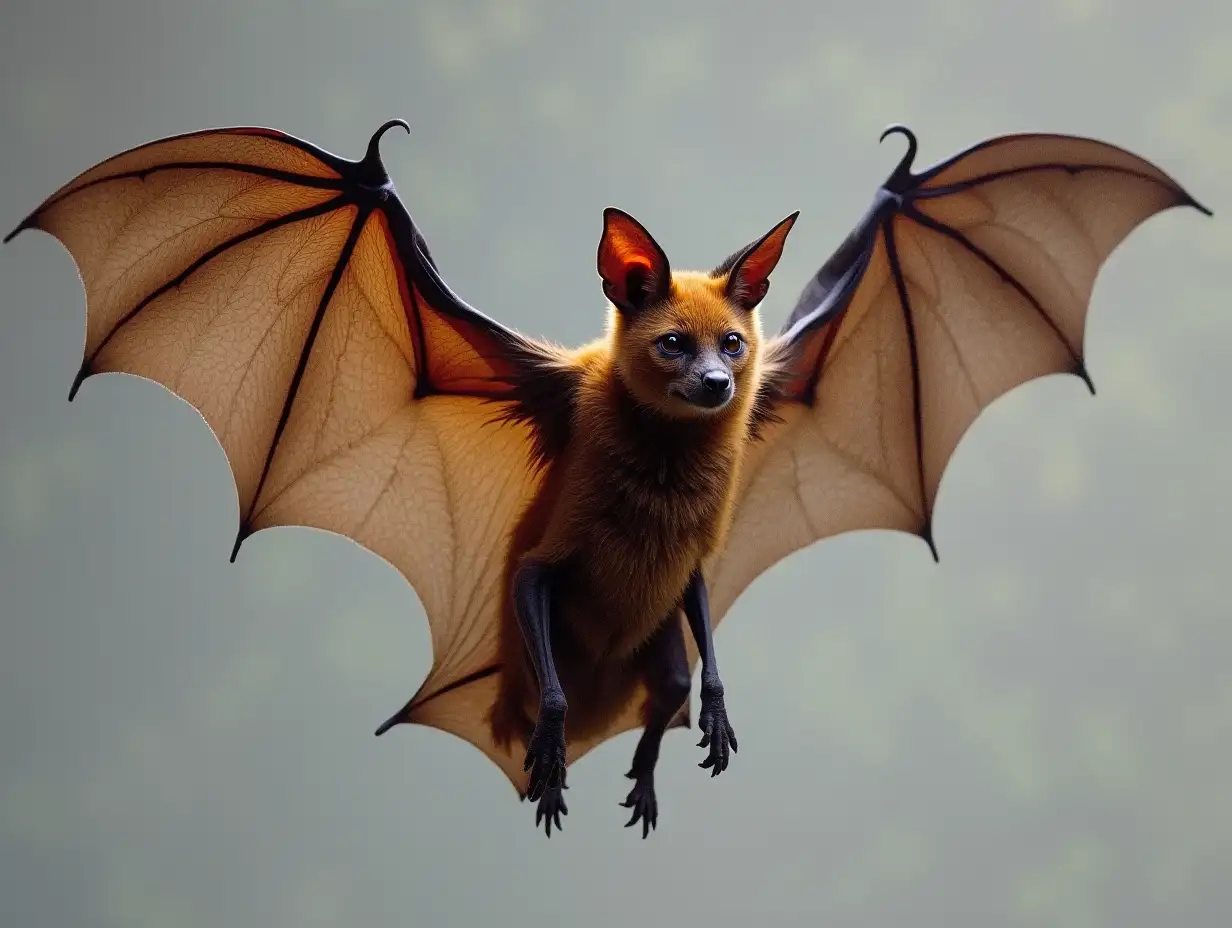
(671, 344)
(732, 343)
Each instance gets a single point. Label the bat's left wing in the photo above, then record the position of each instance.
(957, 285)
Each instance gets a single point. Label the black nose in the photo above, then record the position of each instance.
(716, 382)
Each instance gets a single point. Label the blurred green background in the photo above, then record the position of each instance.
(1038, 731)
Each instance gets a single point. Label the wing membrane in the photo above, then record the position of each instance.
(286, 294)
(959, 284)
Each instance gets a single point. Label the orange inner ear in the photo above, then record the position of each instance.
(754, 271)
(624, 246)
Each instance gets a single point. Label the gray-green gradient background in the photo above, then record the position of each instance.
(1038, 731)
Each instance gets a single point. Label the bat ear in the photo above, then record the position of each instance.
(633, 267)
(748, 279)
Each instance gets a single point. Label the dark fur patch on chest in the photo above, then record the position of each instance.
(664, 477)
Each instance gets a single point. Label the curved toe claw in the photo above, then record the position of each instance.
(551, 808)
(645, 805)
(718, 734)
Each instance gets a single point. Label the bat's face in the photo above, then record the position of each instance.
(686, 343)
(692, 353)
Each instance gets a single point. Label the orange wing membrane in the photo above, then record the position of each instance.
(287, 294)
(959, 284)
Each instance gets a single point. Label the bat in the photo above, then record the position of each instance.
(576, 522)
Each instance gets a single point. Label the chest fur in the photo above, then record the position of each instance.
(660, 501)
(646, 504)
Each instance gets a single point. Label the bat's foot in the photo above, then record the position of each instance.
(642, 801)
(551, 808)
(545, 756)
(716, 731)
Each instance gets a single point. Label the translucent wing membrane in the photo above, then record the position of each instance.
(958, 285)
(286, 294)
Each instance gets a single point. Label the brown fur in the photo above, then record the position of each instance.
(637, 495)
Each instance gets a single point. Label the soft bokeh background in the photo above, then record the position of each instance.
(1036, 732)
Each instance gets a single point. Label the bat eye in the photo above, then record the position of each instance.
(733, 344)
(671, 344)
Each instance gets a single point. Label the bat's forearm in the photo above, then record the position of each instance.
(697, 611)
(532, 598)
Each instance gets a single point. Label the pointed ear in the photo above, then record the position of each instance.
(749, 277)
(633, 267)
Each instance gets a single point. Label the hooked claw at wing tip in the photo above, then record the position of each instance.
(896, 128)
(373, 155)
(390, 123)
(902, 172)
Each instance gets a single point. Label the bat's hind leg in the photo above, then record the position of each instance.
(667, 680)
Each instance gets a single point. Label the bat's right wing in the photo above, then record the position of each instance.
(958, 284)
(288, 296)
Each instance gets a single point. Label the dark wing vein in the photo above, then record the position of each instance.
(994, 265)
(343, 258)
(422, 288)
(900, 285)
(418, 702)
(269, 225)
(810, 390)
(929, 193)
(421, 343)
(823, 356)
(291, 177)
(829, 299)
(481, 674)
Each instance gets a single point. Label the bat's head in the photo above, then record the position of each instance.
(686, 343)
